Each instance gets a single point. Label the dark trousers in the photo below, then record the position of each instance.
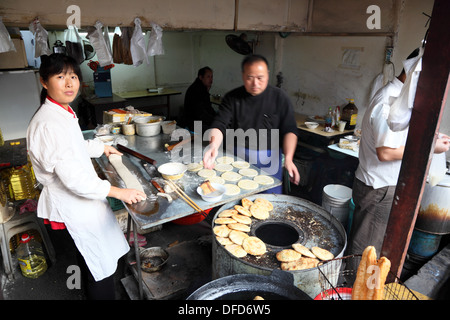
(370, 217)
(94, 290)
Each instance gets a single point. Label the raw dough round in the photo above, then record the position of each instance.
(194, 167)
(223, 167)
(241, 164)
(217, 179)
(231, 176)
(263, 179)
(248, 172)
(232, 189)
(248, 184)
(225, 160)
(206, 173)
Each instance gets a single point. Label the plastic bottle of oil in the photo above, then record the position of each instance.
(350, 114)
(31, 257)
(21, 182)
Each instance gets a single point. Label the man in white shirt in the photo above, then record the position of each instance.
(380, 157)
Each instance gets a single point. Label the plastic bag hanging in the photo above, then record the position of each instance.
(40, 39)
(74, 44)
(6, 43)
(137, 44)
(155, 46)
(97, 40)
(401, 107)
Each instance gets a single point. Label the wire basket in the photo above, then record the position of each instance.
(336, 278)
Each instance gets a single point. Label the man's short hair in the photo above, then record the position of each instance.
(202, 71)
(250, 59)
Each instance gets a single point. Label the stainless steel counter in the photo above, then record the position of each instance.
(153, 212)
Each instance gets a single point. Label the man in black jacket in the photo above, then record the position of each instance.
(197, 104)
(260, 109)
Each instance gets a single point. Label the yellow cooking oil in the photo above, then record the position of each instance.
(21, 183)
(31, 257)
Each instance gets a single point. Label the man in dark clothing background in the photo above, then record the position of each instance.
(197, 104)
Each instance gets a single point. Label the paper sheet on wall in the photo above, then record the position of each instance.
(351, 58)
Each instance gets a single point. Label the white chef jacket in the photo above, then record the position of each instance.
(376, 133)
(73, 193)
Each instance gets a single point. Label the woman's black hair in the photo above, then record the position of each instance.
(54, 64)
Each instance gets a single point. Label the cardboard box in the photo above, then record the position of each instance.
(113, 117)
(14, 59)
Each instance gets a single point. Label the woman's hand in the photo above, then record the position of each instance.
(129, 196)
(111, 150)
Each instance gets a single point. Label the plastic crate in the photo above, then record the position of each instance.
(115, 204)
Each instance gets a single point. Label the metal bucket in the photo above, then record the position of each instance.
(293, 220)
(434, 210)
(336, 199)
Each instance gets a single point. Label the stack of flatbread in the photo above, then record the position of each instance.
(233, 225)
(300, 257)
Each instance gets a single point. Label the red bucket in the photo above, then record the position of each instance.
(192, 219)
(335, 294)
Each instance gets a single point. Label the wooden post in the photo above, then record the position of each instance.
(431, 94)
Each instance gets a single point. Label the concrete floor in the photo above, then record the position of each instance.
(52, 284)
(432, 279)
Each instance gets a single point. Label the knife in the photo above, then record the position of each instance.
(136, 154)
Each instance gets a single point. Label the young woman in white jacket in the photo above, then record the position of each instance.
(73, 195)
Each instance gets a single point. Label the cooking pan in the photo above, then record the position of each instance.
(277, 286)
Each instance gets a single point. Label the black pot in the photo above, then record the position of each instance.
(277, 286)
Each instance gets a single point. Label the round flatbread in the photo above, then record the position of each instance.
(223, 167)
(288, 255)
(254, 246)
(242, 219)
(237, 236)
(231, 176)
(322, 254)
(304, 251)
(224, 221)
(217, 179)
(225, 160)
(248, 172)
(194, 167)
(227, 213)
(231, 189)
(206, 173)
(243, 210)
(239, 226)
(222, 230)
(224, 241)
(263, 179)
(300, 264)
(264, 202)
(241, 164)
(248, 184)
(246, 203)
(236, 250)
(259, 212)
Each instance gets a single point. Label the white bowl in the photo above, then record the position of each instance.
(311, 125)
(172, 170)
(147, 126)
(213, 196)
